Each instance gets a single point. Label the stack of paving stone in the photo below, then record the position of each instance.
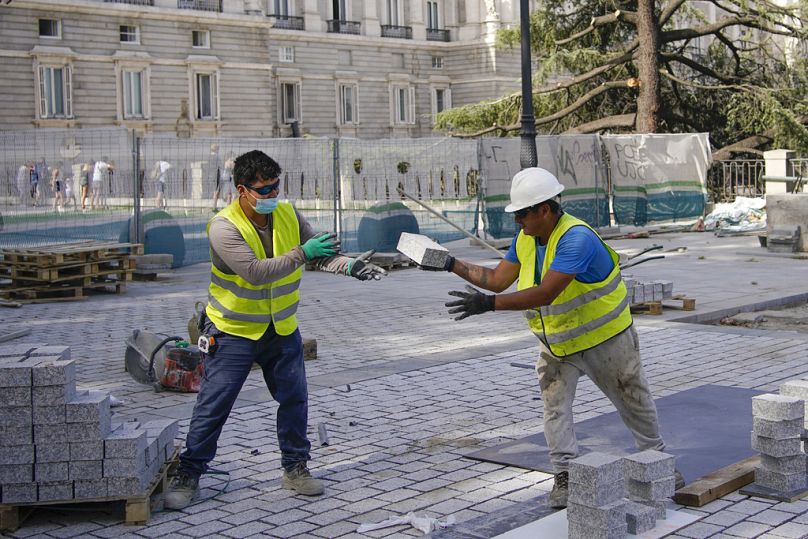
(596, 507)
(644, 292)
(778, 421)
(650, 481)
(57, 443)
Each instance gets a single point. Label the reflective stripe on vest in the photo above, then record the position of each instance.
(584, 314)
(240, 308)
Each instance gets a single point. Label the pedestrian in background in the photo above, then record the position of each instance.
(84, 183)
(160, 175)
(100, 170)
(57, 185)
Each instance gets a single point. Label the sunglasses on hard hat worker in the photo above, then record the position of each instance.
(265, 190)
(521, 214)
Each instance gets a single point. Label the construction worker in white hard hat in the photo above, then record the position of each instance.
(575, 301)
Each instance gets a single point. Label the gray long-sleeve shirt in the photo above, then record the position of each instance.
(231, 253)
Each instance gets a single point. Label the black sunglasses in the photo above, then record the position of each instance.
(521, 214)
(265, 190)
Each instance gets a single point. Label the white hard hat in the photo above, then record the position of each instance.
(531, 186)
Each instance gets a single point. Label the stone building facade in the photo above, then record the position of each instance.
(265, 68)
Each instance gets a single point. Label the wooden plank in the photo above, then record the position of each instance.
(719, 483)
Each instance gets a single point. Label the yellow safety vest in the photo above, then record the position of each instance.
(584, 314)
(240, 308)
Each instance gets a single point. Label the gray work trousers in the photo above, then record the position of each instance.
(614, 366)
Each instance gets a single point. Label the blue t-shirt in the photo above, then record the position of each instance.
(580, 252)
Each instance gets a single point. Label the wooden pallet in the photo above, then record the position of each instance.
(138, 508)
(678, 301)
(65, 253)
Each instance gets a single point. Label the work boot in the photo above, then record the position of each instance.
(183, 489)
(299, 479)
(680, 479)
(558, 496)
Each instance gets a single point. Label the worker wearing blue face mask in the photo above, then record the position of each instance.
(258, 246)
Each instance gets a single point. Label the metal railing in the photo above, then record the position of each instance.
(401, 32)
(287, 22)
(131, 2)
(437, 34)
(200, 5)
(738, 177)
(343, 27)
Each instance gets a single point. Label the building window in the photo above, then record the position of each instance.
(290, 102)
(206, 96)
(134, 93)
(282, 8)
(348, 97)
(437, 62)
(432, 20)
(130, 34)
(441, 100)
(403, 109)
(50, 28)
(392, 13)
(55, 100)
(201, 39)
(340, 9)
(286, 54)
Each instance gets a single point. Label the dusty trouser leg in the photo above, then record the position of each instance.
(558, 380)
(615, 367)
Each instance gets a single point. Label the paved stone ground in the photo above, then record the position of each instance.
(405, 391)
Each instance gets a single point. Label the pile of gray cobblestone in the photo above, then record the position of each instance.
(58, 443)
(645, 291)
(776, 434)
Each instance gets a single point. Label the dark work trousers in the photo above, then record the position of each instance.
(226, 369)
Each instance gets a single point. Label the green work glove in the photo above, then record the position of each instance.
(472, 302)
(360, 268)
(322, 245)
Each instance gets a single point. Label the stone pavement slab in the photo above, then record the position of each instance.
(405, 391)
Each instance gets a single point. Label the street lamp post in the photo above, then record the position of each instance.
(527, 154)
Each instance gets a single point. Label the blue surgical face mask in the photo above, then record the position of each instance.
(265, 206)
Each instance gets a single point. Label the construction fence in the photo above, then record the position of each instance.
(110, 184)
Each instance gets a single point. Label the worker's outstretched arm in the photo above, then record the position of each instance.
(472, 301)
(494, 279)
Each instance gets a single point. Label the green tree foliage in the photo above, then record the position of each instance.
(741, 75)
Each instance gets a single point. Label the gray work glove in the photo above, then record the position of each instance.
(361, 268)
(472, 302)
(447, 266)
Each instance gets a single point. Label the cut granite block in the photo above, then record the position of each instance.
(777, 407)
(596, 495)
(19, 493)
(422, 250)
(595, 468)
(15, 396)
(88, 432)
(16, 435)
(658, 489)
(55, 490)
(126, 486)
(649, 465)
(46, 472)
(17, 454)
(53, 395)
(124, 467)
(793, 464)
(16, 473)
(50, 434)
(639, 293)
(125, 443)
(778, 430)
(87, 450)
(90, 488)
(577, 530)
(153, 450)
(795, 388)
(640, 518)
(86, 469)
(16, 373)
(16, 350)
(52, 371)
(612, 515)
(16, 416)
(660, 507)
(164, 429)
(49, 415)
(61, 352)
(89, 407)
(53, 453)
(782, 482)
(776, 448)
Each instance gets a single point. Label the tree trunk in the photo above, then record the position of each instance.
(646, 60)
